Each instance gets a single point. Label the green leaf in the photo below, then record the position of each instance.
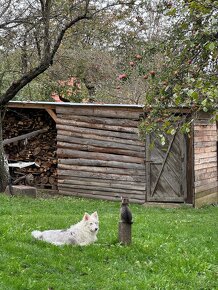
(211, 46)
(172, 12)
(204, 102)
(194, 96)
(162, 140)
(177, 98)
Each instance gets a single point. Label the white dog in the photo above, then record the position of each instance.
(82, 233)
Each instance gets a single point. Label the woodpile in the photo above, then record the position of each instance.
(30, 136)
(99, 153)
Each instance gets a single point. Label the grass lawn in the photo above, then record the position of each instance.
(171, 248)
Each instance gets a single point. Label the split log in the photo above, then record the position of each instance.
(113, 112)
(121, 135)
(68, 153)
(100, 143)
(100, 175)
(136, 194)
(89, 162)
(97, 120)
(102, 169)
(25, 136)
(102, 192)
(100, 195)
(97, 149)
(103, 137)
(103, 183)
(74, 123)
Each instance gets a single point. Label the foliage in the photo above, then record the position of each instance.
(171, 248)
(187, 76)
(93, 51)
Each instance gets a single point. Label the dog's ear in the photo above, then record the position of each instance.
(95, 214)
(86, 216)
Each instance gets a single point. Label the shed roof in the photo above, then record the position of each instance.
(26, 104)
(53, 105)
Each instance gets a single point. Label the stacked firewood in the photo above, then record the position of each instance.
(38, 147)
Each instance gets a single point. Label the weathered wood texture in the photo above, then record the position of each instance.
(205, 162)
(166, 169)
(100, 154)
(125, 233)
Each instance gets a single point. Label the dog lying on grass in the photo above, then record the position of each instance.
(83, 233)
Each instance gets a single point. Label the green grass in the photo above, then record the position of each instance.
(171, 248)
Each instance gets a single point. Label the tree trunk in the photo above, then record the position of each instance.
(4, 171)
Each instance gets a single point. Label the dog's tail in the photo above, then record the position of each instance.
(37, 235)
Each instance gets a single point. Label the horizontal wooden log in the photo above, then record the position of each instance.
(206, 155)
(205, 144)
(64, 172)
(102, 197)
(103, 169)
(205, 165)
(97, 126)
(206, 175)
(25, 136)
(61, 153)
(121, 113)
(205, 138)
(205, 127)
(204, 149)
(109, 190)
(121, 135)
(206, 187)
(97, 120)
(90, 148)
(206, 192)
(207, 199)
(85, 141)
(104, 194)
(205, 160)
(88, 162)
(103, 183)
(203, 118)
(206, 170)
(205, 133)
(103, 137)
(206, 182)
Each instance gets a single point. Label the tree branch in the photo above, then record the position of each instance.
(43, 66)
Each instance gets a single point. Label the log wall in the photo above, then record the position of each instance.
(205, 162)
(99, 153)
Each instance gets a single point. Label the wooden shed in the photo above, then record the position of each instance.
(100, 155)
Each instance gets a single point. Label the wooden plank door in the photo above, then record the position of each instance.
(165, 167)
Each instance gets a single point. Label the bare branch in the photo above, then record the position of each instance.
(43, 66)
(5, 9)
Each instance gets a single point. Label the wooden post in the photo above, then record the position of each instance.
(125, 233)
